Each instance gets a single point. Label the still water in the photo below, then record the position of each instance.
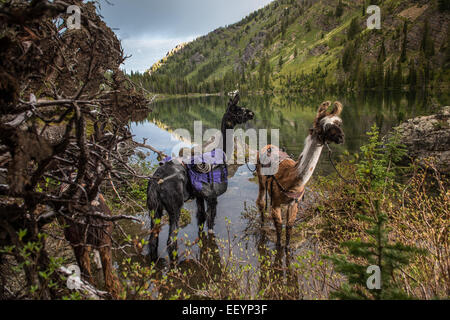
(293, 116)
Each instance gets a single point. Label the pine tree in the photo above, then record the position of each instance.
(387, 79)
(262, 70)
(347, 56)
(427, 77)
(392, 78)
(362, 80)
(447, 50)
(378, 252)
(339, 9)
(405, 39)
(427, 44)
(382, 54)
(308, 26)
(280, 61)
(398, 77)
(380, 76)
(353, 29)
(295, 52)
(412, 77)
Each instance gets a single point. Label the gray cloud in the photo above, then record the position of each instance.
(148, 29)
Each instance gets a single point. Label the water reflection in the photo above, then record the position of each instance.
(293, 115)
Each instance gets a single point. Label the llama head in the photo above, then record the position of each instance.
(327, 124)
(235, 114)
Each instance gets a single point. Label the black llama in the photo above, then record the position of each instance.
(170, 187)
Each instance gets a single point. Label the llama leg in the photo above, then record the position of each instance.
(174, 217)
(201, 213)
(292, 215)
(261, 200)
(211, 217)
(154, 235)
(276, 216)
(112, 283)
(82, 256)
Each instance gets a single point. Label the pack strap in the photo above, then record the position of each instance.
(296, 196)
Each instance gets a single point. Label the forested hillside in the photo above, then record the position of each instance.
(315, 45)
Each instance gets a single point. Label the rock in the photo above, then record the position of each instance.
(254, 47)
(197, 58)
(429, 136)
(320, 49)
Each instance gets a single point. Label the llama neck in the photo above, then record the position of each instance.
(223, 130)
(308, 159)
(224, 140)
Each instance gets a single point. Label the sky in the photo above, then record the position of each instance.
(149, 29)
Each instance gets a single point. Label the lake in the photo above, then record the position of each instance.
(293, 116)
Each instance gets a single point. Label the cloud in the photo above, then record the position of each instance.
(156, 26)
(146, 50)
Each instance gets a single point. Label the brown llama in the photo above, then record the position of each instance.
(287, 185)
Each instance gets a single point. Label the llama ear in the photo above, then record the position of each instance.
(235, 99)
(337, 109)
(322, 112)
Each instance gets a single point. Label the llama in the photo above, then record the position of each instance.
(170, 187)
(287, 186)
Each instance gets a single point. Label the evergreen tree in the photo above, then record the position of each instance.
(308, 26)
(371, 78)
(280, 61)
(267, 74)
(387, 78)
(447, 50)
(398, 77)
(427, 77)
(412, 77)
(268, 40)
(405, 38)
(339, 9)
(262, 70)
(380, 76)
(295, 52)
(353, 29)
(382, 54)
(378, 252)
(347, 56)
(427, 44)
(283, 30)
(362, 82)
(392, 78)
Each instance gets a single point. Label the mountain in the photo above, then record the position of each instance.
(161, 62)
(316, 45)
